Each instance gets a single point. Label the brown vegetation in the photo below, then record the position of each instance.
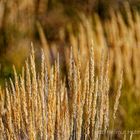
(39, 105)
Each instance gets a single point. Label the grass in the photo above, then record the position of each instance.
(40, 105)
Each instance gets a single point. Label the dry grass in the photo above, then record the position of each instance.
(40, 105)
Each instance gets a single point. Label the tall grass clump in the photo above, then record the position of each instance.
(46, 105)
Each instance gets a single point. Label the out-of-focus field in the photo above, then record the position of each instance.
(65, 27)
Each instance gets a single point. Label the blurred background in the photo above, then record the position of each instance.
(20, 23)
(55, 25)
